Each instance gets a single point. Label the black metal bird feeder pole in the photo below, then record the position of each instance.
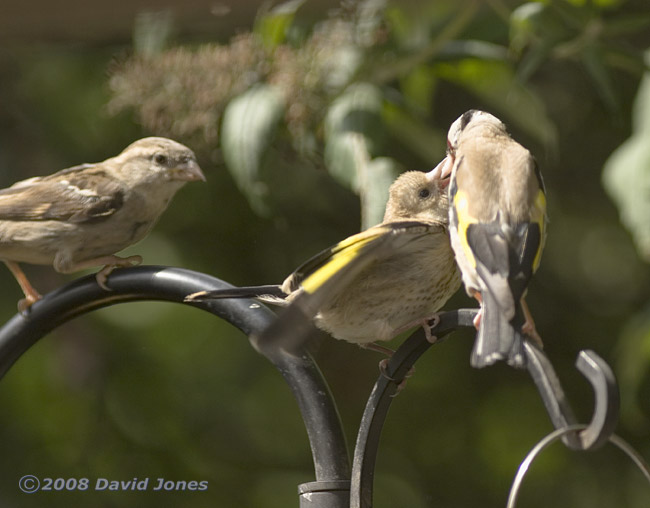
(337, 485)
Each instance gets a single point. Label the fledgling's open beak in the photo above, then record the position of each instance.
(442, 172)
(189, 172)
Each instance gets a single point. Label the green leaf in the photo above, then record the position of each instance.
(536, 28)
(352, 129)
(467, 48)
(152, 31)
(627, 25)
(273, 25)
(370, 17)
(376, 177)
(633, 368)
(592, 58)
(533, 60)
(626, 174)
(429, 144)
(626, 59)
(496, 84)
(249, 123)
(418, 87)
(608, 4)
(534, 22)
(341, 150)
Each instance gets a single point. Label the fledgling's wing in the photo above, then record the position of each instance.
(78, 194)
(271, 293)
(328, 273)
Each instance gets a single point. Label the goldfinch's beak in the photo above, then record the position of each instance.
(188, 172)
(441, 172)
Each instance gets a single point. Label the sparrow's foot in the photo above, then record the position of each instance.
(31, 295)
(111, 263)
(25, 303)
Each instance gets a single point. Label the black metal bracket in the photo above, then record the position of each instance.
(336, 485)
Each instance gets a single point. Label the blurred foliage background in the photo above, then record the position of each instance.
(302, 113)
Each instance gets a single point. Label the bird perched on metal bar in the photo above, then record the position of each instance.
(80, 217)
(498, 228)
(373, 285)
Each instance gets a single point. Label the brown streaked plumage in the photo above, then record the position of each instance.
(80, 217)
(376, 284)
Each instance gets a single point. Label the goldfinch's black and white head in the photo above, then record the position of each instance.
(468, 121)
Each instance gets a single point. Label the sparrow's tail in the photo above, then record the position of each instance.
(270, 294)
(498, 338)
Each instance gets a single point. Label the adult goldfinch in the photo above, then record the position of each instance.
(498, 227)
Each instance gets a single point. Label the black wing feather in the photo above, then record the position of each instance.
(293, 326)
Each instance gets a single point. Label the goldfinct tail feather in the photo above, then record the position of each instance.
(497, 338)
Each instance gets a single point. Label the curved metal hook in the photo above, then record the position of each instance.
(607, 400)
(603, 382)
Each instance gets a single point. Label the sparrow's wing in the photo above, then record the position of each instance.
(78, 194)
(328, 273)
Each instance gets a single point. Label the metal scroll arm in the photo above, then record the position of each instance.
(324, 430)
(387, 385)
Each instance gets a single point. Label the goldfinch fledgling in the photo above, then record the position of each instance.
(376, 284)
(80, 217)
(498, 228)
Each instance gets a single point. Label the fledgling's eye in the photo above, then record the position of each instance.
(424, 193)
(160, 159)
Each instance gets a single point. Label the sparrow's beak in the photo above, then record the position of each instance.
(189, 172)
(441, 172)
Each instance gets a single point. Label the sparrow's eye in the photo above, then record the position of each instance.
(424, 193)
(160, 159)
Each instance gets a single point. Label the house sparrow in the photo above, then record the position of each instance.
(80, 217)
(498, 228)
(376, 284)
